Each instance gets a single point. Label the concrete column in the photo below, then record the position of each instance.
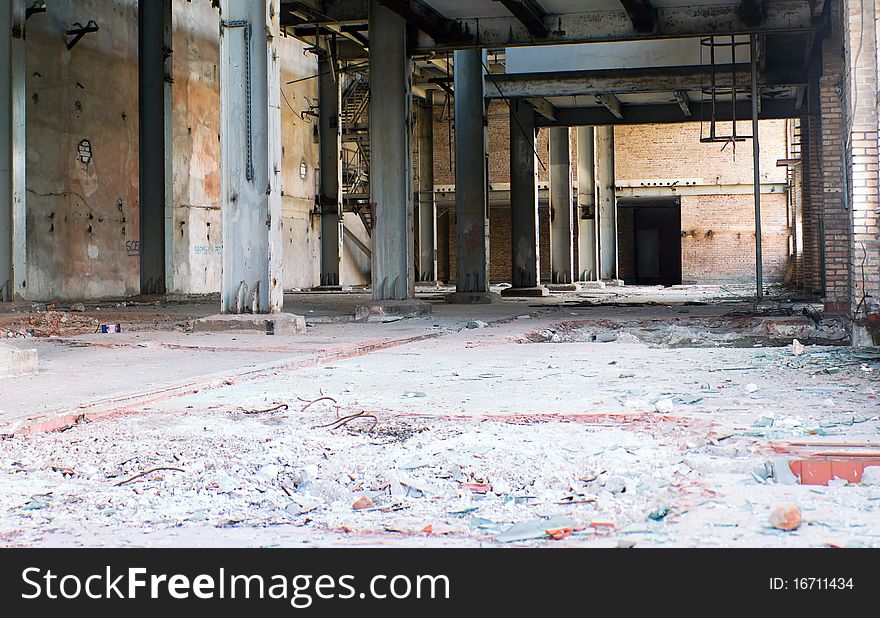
(427, 207)
(524, 253)
(561, 227)
(588, 244)
(471, 180)
(12, 150)
(250, 157)
(607, 210)
(330, 191)
(155, 148)
(391, 168)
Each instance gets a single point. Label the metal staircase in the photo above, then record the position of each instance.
(354, 115)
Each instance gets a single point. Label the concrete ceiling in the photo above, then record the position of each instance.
(601, 45)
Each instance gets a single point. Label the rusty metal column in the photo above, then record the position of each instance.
(391, 169)
(330, 191)
(471, 181)
(561, 228)
(13, 106)
(586, 201)
(607, 207)
(155, 149)
(427, 207)
(524, 253)
(250, 157)
(756, 164)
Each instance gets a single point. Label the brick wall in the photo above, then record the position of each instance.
(642, 152)
(861, 34)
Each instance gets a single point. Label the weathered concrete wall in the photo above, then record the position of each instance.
(197, 243)
(301, 229)
(82, 166)
(83, 196)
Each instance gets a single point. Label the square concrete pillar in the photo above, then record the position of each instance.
(524, 252)
(330, 189)
(607, 202)
(250, 157)
(471, 180)
(588, 242)
(561, 224)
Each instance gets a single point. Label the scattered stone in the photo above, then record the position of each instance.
(786, 517)
(78, 307)
(477, 324)
(751, 387)
(664, 405)
(871, 475)
(615, 484)
(606, 337)
(363, 502)
(797, 348)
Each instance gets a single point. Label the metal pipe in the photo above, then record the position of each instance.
(756, 164)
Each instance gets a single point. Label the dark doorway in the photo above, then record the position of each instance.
(650, 241)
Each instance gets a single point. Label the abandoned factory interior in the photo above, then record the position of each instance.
(544, 273)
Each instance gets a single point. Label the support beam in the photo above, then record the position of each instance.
(543, 107)
(684, 102)
(524, 253)
(391, 157)
(586, 200)
(626, 81)
(752, 12)
(426, 19)
(330, 189)
(427, 207)
(611, 103)
(561, 225)
(13, 105)
(155, 145)
(756, 164)
(250, 157)
(529, 15)
(471, 180)
(664, 113)
(607, 202)
(641, 14)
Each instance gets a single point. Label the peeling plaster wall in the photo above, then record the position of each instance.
(82, 153)
(197, 237)
(301, 230)
(198, 243)
(82, 221)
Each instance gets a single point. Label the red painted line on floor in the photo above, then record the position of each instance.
(64, 419)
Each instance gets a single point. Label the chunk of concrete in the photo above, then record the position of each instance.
(538, 292)
(379, 310)
(270, 323)
(473, 298)
(15, 362)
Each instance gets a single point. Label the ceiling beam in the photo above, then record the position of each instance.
(752, 12)
(529, 14)
(611, 103)
(641, 14)
(427, 20)
(665, 113)
(623, 81)
(684, 102)
(564, 28)
(542, 107)
(604, 26)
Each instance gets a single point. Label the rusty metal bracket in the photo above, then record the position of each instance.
(78, 32)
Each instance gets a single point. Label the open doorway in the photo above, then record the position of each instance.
(649, 231)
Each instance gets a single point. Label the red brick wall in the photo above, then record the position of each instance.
(861, 36)
(650, 151)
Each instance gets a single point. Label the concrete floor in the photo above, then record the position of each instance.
(586, 412)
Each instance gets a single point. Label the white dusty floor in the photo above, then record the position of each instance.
(624, 425)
